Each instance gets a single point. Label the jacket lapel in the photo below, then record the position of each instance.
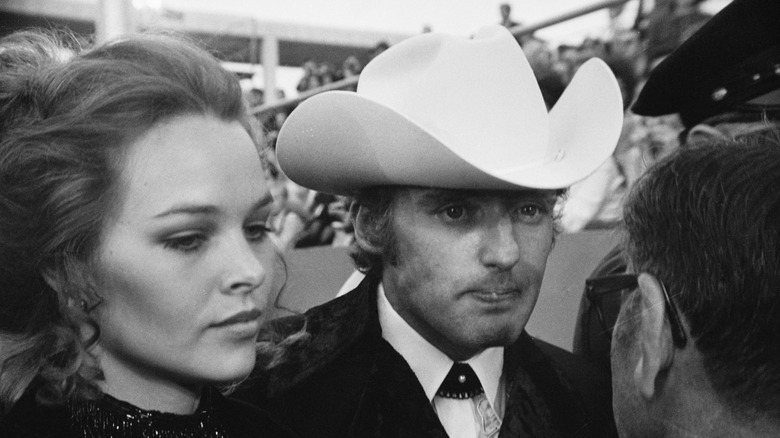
(540, 401)
(393, 403)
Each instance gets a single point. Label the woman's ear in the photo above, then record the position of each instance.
(72, 286)
(365, 224)
(656, 347)
(54, 279)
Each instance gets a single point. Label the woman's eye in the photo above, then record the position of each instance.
(186, 243)
(256, 232)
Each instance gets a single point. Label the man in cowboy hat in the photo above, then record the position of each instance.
(455, 167)
(724, 83)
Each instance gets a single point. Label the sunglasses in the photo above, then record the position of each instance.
(601, 292)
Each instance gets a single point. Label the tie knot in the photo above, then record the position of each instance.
(461, 382)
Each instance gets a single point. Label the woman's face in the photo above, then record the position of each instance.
(185, 266)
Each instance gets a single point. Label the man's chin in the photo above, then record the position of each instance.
(502, 338)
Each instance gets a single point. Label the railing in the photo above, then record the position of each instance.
(516, 31)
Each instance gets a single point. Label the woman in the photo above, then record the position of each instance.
(135, 261)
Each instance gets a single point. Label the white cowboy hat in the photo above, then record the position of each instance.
(443, 111)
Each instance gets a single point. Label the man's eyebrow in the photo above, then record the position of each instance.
(208, 209)
(445, 195)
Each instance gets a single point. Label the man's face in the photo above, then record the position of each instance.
(469, 264)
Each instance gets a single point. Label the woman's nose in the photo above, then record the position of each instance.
(244, 271)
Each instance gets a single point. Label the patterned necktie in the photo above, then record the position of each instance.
(462, 383)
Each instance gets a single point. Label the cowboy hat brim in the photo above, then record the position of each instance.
(341, 142)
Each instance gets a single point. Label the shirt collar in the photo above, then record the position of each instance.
(427, 362)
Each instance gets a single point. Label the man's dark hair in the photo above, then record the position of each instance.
(706, 222)
(377, 203)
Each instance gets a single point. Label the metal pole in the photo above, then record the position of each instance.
(524, 30)
(115, 17)
(270, 62)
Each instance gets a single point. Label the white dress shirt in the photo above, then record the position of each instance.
(430, 365)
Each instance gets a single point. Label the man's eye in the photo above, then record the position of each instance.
(530, 210)
(455, 212)
(531, 213)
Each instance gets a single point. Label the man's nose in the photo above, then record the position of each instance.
(500, 248)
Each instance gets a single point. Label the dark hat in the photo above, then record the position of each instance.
(733, 59)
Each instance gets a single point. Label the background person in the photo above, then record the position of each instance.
(723, 83)
(695, 349)
(135, 261)
(454, 223)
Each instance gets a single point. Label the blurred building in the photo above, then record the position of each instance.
(246, 44)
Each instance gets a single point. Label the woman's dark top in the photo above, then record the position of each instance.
(216, 417)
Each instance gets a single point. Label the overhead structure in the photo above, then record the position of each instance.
(233, 39)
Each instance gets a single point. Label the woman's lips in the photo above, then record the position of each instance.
(240, 318)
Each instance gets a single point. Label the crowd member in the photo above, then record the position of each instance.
(350, 67)
(670, 24)
(453, 218)
(596, 202)
(723, 82)
(377, 50)
(135, 262)
(695, 349)
(505, 9)
(542, 61)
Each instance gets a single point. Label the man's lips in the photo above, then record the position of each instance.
(497, 294)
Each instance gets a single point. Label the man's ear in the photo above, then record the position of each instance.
(654, 337)
(365, 226)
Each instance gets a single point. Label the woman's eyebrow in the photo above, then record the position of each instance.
(191, 209)
(209, 209)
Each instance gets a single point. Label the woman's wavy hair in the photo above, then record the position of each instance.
(66, 117)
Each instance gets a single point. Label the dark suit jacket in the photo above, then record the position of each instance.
(347, 381)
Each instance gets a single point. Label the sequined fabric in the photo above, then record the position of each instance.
(109, 417)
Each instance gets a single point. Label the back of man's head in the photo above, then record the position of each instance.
(706, 223)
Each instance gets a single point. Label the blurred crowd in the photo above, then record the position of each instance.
(308, 219)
